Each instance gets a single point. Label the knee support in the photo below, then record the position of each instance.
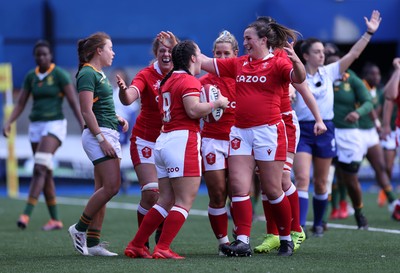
(352, 167)
(45, 159)
(287, 167)
(152, 186)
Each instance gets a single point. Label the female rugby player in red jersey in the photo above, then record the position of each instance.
(289, 117)
(144, 86)
(177, 152)
(258, 136)
(215, 141)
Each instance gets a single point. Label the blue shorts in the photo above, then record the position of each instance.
(323, 146)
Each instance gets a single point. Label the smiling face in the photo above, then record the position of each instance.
(164, 58)
(255, 46)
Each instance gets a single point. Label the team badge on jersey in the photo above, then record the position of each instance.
(146, 152)
(235, 143)
(210, 157)
(50, 80)
(156, 85)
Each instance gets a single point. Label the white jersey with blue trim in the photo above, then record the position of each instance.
(321, 86)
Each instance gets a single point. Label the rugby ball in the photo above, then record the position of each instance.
(209, 93)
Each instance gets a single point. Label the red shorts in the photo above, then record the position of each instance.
(142, 151)
(292, 130)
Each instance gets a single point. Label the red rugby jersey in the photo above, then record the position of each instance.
(148, 123)
(220, 130)
(398, 110)
(286, 106)
(259, 87)
(177, 87)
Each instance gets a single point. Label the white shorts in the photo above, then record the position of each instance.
(390, 142)
(177, 154)
(142, 151)
(265, 142)
(39, 129)
(349, 145)
(370, 138)
(214, 153)
(92, 147)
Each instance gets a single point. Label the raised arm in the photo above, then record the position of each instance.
(299, 72)
(391, 89)
(207, 64)
(372, 26)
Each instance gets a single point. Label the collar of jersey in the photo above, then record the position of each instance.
(48, 70)
(94, 68)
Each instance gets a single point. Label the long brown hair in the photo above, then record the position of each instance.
(87, 47)
(277, 35)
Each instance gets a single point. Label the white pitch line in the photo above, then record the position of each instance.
(341, 226)
(117, 205)
(131, 206)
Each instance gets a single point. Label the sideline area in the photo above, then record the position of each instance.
(70, 160)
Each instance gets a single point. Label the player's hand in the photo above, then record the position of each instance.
(374, 22)
(291, 53)
(222, 101)
(319, 128)
(124, 123)
(6, 129)
(385, 132)
(352, 117)
(121, 83)
(107, 148)
(396, 63)
(167, 38)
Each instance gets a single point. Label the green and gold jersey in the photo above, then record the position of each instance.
(366, 122)
(47, 92)
(90, 79)
(350, 94)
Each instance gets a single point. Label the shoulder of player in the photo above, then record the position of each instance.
(209, 78)
(188, 82)
(149, 72)
(60, 72)
(30, 73)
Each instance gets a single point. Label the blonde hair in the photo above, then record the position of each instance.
(226, 37)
